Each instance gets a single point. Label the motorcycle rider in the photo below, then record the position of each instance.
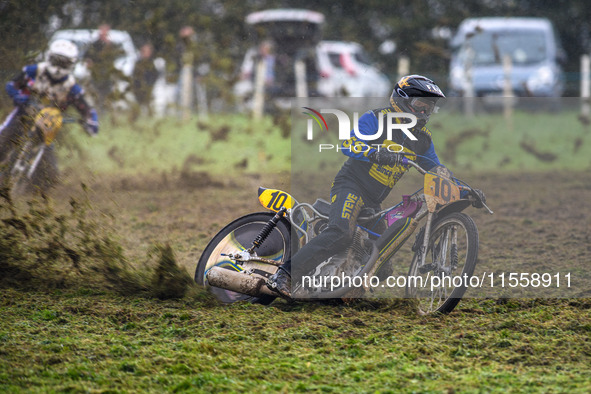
(369, 174)
(53, 83)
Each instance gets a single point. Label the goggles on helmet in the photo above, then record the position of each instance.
(61, 61)
(423, 105)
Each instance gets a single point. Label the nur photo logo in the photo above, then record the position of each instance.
(392, 122)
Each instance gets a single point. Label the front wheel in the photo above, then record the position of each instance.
(237, 237)
(32, 167)
(452, 252)
(15, 169)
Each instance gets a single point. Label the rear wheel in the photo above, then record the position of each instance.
(237, 237)
(452, 252)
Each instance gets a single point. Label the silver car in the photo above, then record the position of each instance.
(532, 45)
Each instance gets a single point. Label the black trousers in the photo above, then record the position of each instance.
(347, 200)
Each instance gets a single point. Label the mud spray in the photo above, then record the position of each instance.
(42, 249)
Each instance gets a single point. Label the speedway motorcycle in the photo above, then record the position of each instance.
(30, 160)
(238, 261)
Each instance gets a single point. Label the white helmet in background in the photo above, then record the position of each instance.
(62, 56)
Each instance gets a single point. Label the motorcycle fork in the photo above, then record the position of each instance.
(21, 163)
(426, 237)
(36, 161)
(439, 262)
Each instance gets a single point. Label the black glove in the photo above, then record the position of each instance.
(480, 198)
(384, 157)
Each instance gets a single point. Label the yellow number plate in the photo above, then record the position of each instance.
(49, 120)
(439, 190)
(274, 199)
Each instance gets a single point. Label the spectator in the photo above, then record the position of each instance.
(191, 84)
(186, 49)
(145, 75)
(187, 46)
(100, 59)
(265, 54)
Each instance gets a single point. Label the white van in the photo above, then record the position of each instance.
(480, 45)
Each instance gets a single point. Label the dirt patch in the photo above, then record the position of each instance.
(196, 179)
(540, 222)
(158, 182)
(452, 144)
(532, 150)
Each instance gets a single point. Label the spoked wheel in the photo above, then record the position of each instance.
(452, 252)
(237, 237)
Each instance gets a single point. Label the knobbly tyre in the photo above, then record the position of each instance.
(237, 262)
(30, 160)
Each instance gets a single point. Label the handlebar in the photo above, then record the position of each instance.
(406, 161)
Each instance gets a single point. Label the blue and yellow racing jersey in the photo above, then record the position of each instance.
(378, 180)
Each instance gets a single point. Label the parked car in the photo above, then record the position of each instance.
(532, 44)
(346, 70)
(333, 68)
(343, 68)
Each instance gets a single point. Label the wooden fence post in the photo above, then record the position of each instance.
(585, 86)
(403, 66)
(508, 96)
(186, 91)
(258, 105)
(300, 79)
(469, 94)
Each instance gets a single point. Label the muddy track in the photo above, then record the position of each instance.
(540, 222)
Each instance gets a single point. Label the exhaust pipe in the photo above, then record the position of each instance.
(240, 282)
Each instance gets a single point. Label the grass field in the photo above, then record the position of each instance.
(214, 145)
(96, 296)
(86, 342)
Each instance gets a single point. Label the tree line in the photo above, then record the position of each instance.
(26, 25)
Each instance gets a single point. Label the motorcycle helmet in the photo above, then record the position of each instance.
(62, 57)
(417, 95)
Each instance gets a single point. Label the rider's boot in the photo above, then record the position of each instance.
(280, 282)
